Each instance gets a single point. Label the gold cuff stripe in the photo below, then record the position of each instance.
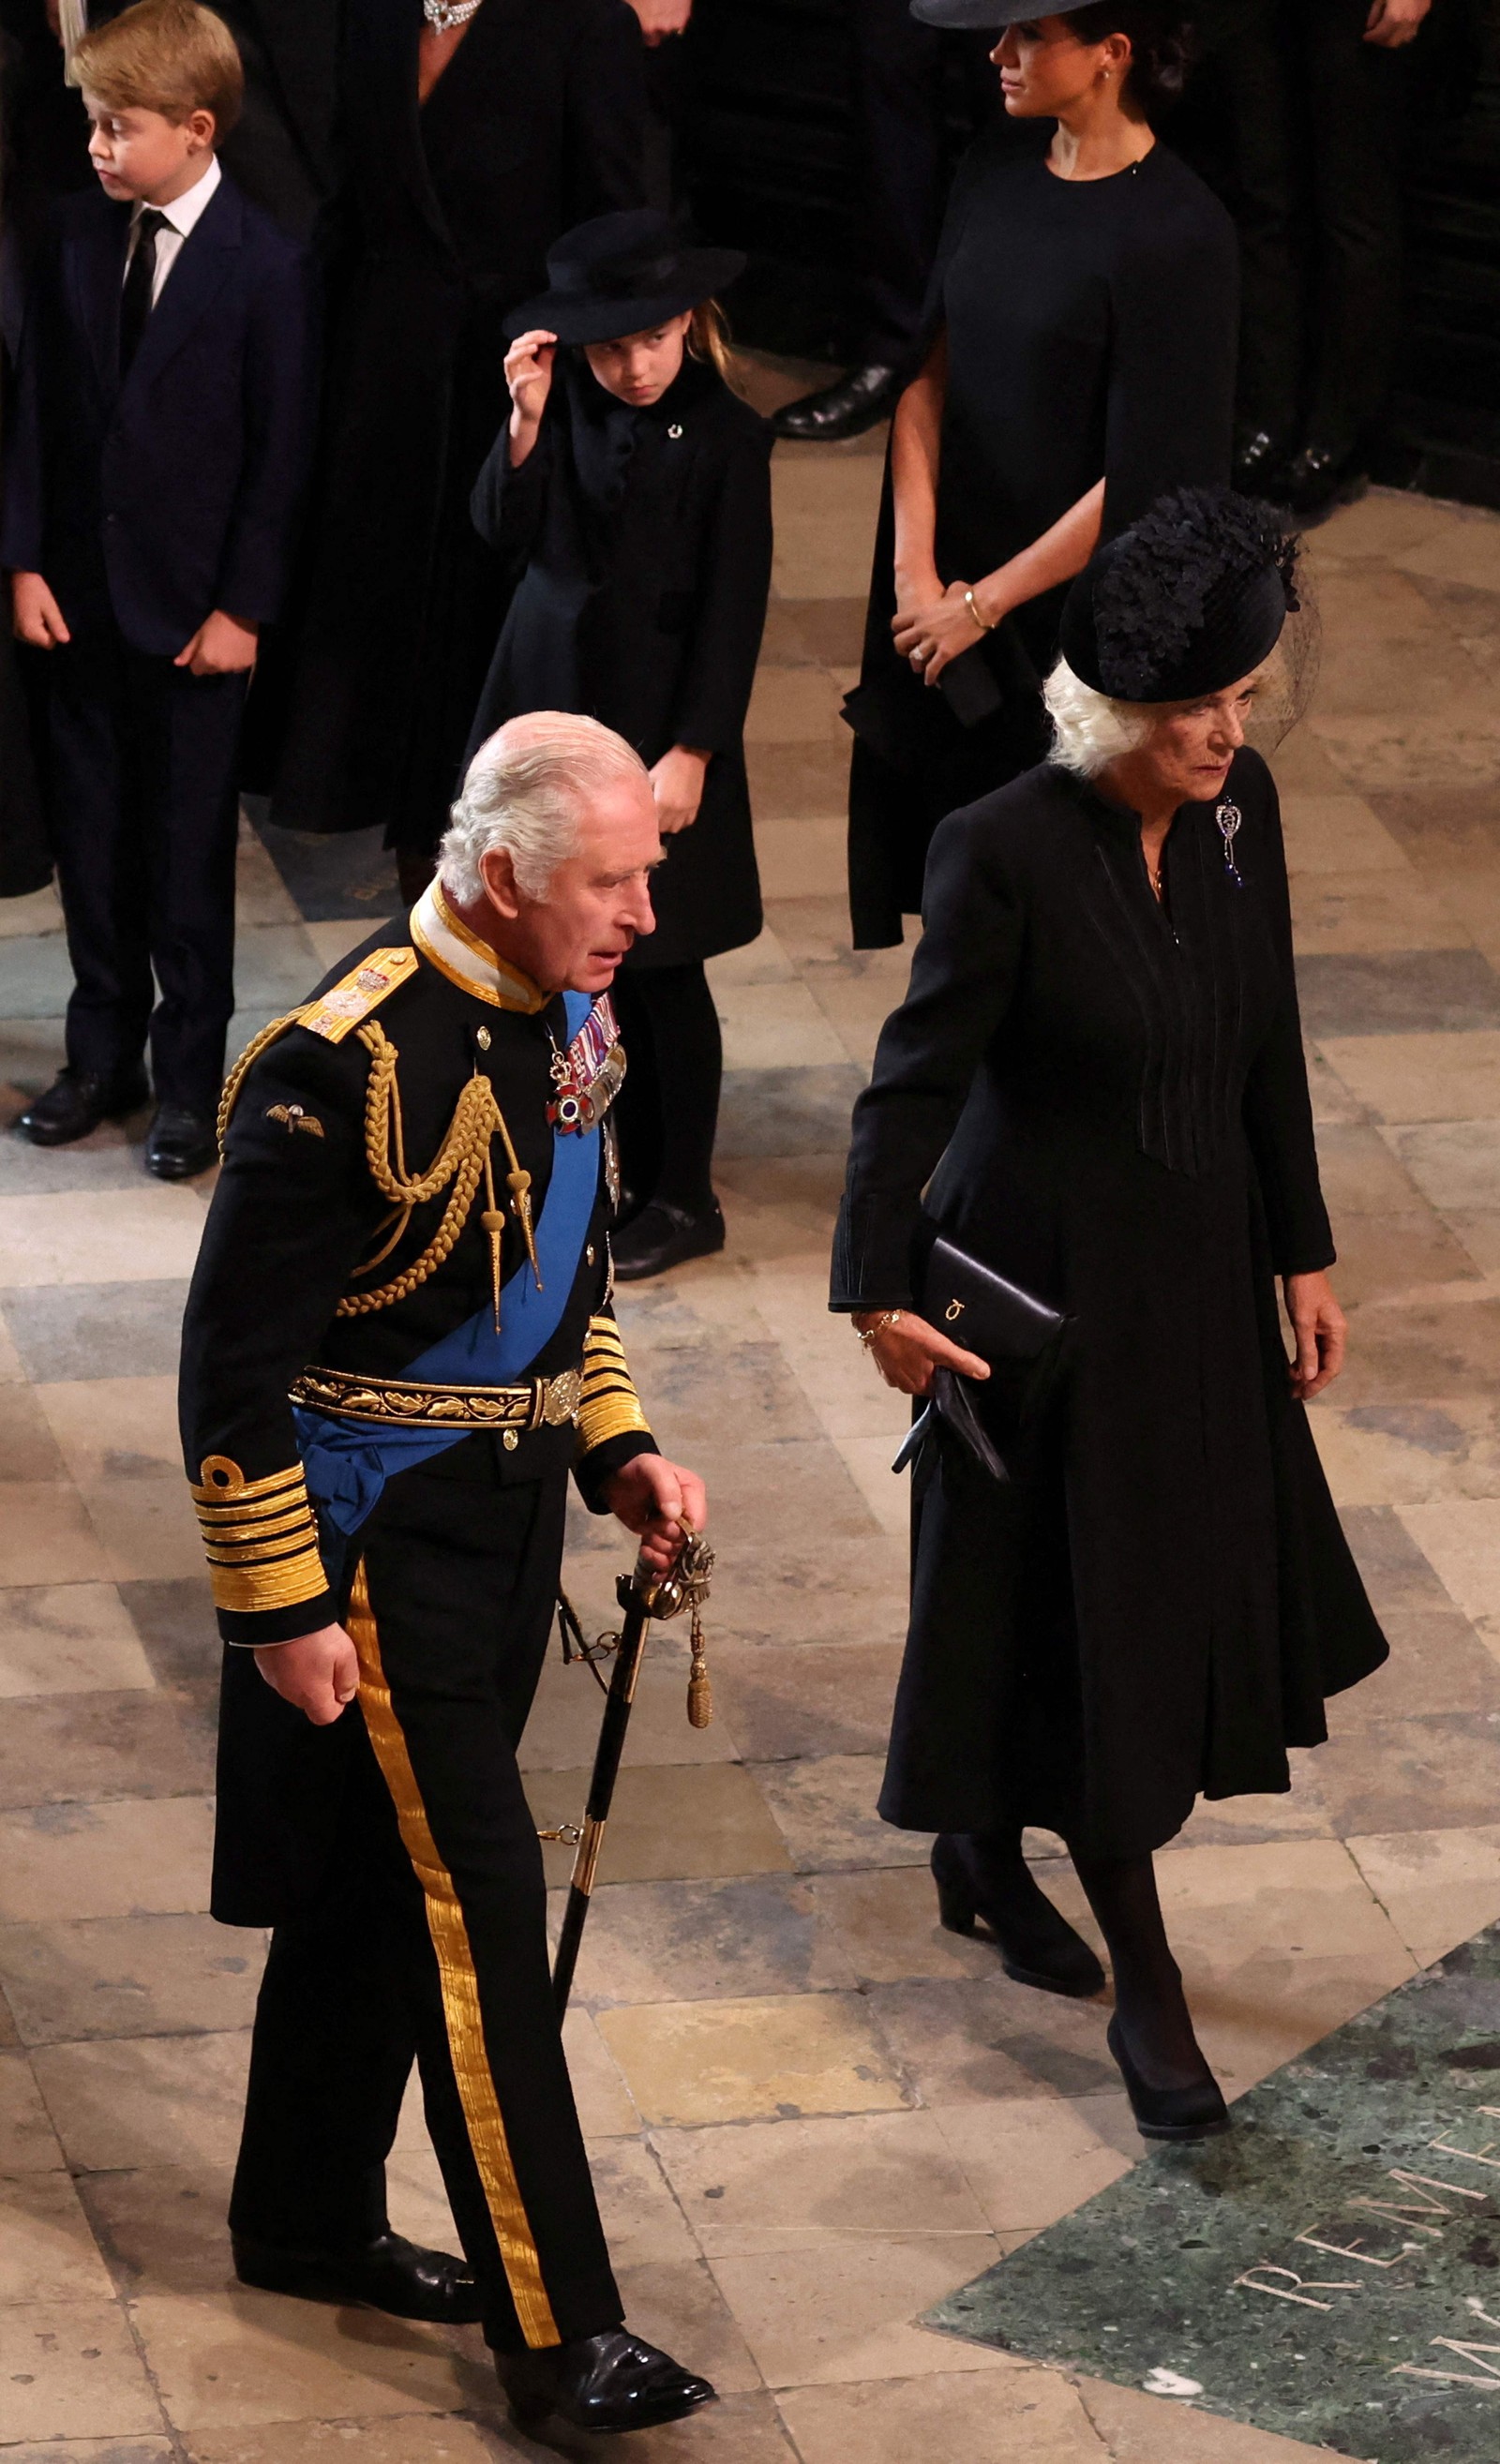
(247, 1552)
(234, 1490)
(278, 1586)
(598, 1422)
(271, 1526)
(264, 1509)
(459, 1985)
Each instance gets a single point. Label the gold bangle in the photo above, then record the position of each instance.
(986, 625)
(887, 1317)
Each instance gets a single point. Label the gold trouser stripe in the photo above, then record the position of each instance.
(460, 1987)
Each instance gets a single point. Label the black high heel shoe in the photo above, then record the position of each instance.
(1037, 1945)
(1177, 2113)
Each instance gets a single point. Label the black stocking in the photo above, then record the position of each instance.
(1149, 2002)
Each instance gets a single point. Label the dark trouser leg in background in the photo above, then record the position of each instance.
(1357, 162)
(668, 1109)
(186, 737)
(1262, 70)
(95, 828)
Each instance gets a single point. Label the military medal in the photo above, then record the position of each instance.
(589, 1075)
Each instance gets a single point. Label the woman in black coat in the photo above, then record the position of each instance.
(1077, 361)
(628, 502)
(1099, 1068)
(468, 150)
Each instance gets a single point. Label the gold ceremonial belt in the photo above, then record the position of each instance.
(537, 1403)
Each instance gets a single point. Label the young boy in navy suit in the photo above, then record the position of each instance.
(153, 474)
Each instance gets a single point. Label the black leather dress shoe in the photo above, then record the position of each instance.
(1173, 2113)
(608, 2382)
(1319, 480)
(1260, 464)
(77, 1102)
(844, 409)
(664, 1236)
(388, 2274)
(180, 1144)
(1037, 1945)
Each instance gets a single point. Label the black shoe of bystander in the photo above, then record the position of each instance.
(77, 1102)
(600, 2383)
(663, 1236)
(847, 409)
(180, 1144)
(388, 2274)
(1319, 480)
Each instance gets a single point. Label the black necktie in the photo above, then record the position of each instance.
(135, 305)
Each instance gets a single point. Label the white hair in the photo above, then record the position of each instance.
(523, 793)
(1089, 728)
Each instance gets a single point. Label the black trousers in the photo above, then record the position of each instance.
(668, 1109)
(1316, 117)
(905, 77)
(432, 1944)
(143, 814)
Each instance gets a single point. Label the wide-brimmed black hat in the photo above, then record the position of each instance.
(990, 14)
(1188, 600)
(622, 273)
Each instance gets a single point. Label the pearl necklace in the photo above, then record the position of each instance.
(444, 15)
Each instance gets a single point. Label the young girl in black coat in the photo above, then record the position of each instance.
(630, 495)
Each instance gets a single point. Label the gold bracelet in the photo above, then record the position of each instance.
(887, 1317)
(985, 626)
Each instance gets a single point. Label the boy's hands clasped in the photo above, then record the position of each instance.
(222, 645)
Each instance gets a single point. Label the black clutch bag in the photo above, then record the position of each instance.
(1020, 1336)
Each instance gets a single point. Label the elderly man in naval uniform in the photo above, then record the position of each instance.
(399, 1343)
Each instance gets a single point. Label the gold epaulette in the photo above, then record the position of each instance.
(259, 1535)
(610, 1407)
(331, 1015)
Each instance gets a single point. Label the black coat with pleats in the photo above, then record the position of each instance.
(1110, 1100)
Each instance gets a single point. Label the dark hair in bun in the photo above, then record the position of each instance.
(1162, 44)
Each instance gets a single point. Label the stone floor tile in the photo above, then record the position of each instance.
(1396, 1573)
(1438, 1887)
(964, 2418)
(175, 1622)
(802, 858)
(748, 1390)
(563, 1729)
(231, 2359)
(40, 911)
(348, 874)
(97, 1329)
(690, 1942)
(678, 2306)
(1479, 1230)
(93, 2450)
(643, 2220)
(28, 2142)
(1464, 549)
(843, 2311)
(1372, 604)
(1412, 991)
(669, 1822)
(1373, 674)
(68, 1639)
(37, 978)
(826, 1811)
(852, 1588)
(147, 1527)
(795, 1490)
(605, 2106)
(1146, 2429)
(1455, 1164)
(823, 554)
(1422, 1077)
(1030, 2160)
(688, 2062)
(47, 1536)
(1458, 746)
(800, 782)
(127, 1977)
(1361, 1174)
(1385, 1257)
(1341, 914)
(809, 2183)
(96, 1234)
(776, 1027)
(1238, 1821)
(786, 1113)
(760, 961)
(1387, 522)
(782, 1703)
(163, 2228)
(29, 1451)
(1339, 834)
(47, 2250)
(1439, 1771)
(778, 1206)
(1423, 1347)
(68, 1748)
(1434, 1659)
(111, 1158)
(261, 895)
(1460, 1538)
(1409, 1453)
(71, 2370)
(841, 1382)
(331, 941)
(792, 705)
(132, 1857)
(738, 2430)
(887, 1494)
(114, 1428)
(814, 633)
(887, 1922)
(978, 2039)
(1441, 827)
(1278, 1945)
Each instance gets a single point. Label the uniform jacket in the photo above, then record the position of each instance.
(639, 545)
(159, 498)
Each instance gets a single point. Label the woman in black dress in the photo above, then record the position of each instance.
(1099, 1068)
(1079, 360)
(474, 135)
(628, 500)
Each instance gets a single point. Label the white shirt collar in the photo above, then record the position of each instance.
(184, 211)
(447, 942)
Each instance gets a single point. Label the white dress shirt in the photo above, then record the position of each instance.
(180, 216)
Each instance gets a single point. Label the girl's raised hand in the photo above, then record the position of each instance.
(528, 374)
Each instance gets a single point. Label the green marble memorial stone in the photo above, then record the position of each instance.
(1328, 2270)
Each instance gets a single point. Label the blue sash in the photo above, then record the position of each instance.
(347, 1463)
